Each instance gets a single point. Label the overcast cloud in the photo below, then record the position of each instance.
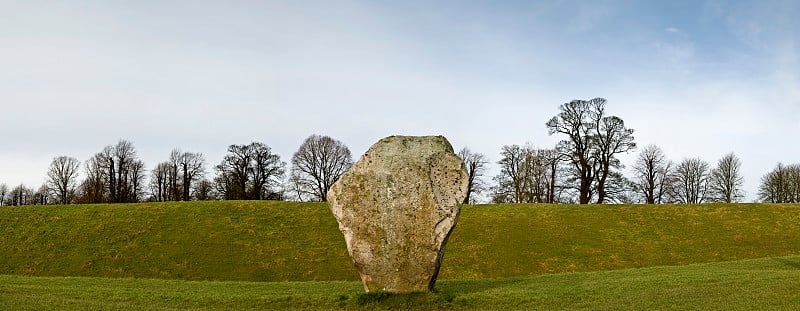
(697, 78)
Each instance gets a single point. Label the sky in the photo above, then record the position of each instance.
(697, 78)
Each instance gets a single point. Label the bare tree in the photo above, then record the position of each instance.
(114, 175)
(21, 195)
(248, 171)
(193, 167)
(690, 181)
(184, 168)
(267, 171)
(553, 158)
(539, 174)
(174, 187)
(476, 167)
(725, 182)
(123, 154)
(94, 189)
(159, 182)
(124, 172)
(612, 138)
(42, 196)
(3, 192)
(651, 174)
(62, 177)
(527, 175)
(620, 189)
(296, 188)
(204, 190)
(593, 141)
(510, 182)
(232, 173)
(781, 185)
(106, 160)
(318, 164)
(137, 177)
(224, 181)
(578, 148)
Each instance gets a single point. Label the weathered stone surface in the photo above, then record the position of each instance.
(396, 208)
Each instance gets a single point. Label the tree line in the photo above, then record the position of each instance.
(584, 168)
(246, 172)
(581, 168)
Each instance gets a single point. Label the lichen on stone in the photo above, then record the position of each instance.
(396, 208)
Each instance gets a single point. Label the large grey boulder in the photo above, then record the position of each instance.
(396, 208)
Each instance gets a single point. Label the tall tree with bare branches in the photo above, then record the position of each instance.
(593, 142)
(93, 188)
(62, 177)
(781, 185)
(476, 167)
(527, 175)
(613, 138)
(204, 190)
(248, 172)
(232, 173)
(690, 181)
(510, 183)
(651, 174)
(726, 181)
(159, 182)
(43, 196)
(193, 167)
(574, 121)
(114, 175)
(184, 169)
(318, 164)
(267, 171)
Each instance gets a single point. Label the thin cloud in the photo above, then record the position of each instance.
(483, 75)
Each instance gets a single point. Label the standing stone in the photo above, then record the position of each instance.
(396, 208)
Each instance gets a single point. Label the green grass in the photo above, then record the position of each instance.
(493, 241)
(283, 241)
(228, 240)
(163, 256)
(760, 284)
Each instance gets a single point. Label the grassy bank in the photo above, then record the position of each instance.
(229, 240)
(493, 241)
(761, 284)
(280, 241)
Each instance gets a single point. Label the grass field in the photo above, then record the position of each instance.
(228, 240)
(283, 241)
(759, 284)
(279, 255)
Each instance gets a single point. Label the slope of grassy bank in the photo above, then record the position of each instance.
(281, 241)
(761, 284)
(227, 240)
(508, 240)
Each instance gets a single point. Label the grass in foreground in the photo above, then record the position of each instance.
(759, 284)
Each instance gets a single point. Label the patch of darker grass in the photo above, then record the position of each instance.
(395, 301)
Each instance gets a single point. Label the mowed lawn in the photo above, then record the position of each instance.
(284, 241)
(756, 284)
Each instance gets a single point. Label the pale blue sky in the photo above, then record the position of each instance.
(697, 78)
